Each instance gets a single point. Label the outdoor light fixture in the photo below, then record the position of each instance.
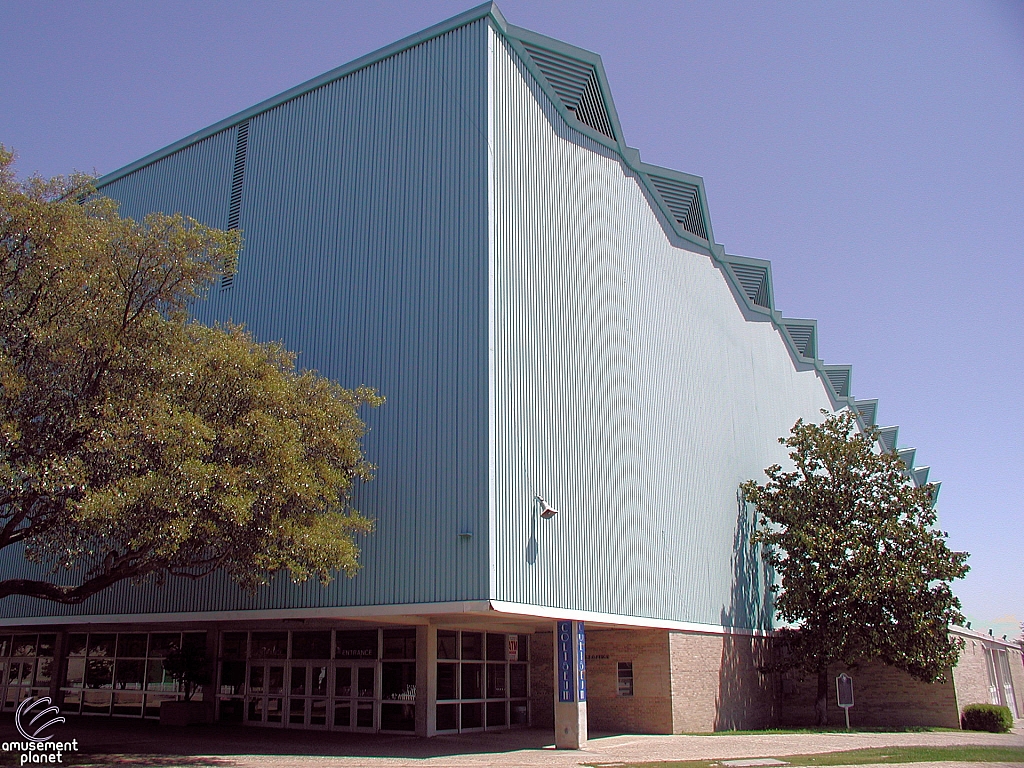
(546, 510)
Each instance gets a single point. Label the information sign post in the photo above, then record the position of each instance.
(844, 694)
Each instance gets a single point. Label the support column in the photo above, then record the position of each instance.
(570, 685)
(426, 680)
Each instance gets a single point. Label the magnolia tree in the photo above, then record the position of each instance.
(135, 443)
(863, 571)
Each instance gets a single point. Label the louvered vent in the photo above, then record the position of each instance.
(576, 84)
(235, 201)
(682, 201)
(803, 336)
(921, 476)
(868, 410)
(887, 436)
(839, 378)
(754, 280)
(906, 455)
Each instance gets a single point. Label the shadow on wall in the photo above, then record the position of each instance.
(746, 696)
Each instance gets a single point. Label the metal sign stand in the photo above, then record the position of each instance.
(844, 695)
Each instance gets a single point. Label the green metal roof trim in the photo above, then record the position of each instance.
(574, 79)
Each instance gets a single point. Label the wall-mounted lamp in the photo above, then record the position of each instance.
(546, 510)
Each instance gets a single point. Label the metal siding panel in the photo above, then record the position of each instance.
(630, 391)
(364, 219)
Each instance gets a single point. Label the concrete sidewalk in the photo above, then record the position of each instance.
(145, 743)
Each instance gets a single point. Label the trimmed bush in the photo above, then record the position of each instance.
(986, 717)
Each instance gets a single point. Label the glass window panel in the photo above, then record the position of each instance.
(342, 715)
(297, 711)
(446, 681)
(255, 712)
(275, 710)
(128, 704)
(399, 644)
(162, 643)
(472, 716)
(518, 713)
(298, 683)
(72, 702)
(355, 644)
(318, 712)
(318, 681)
(77, 644)
(75, 675)
(496, 681)
(524, 647)
(517, 674)
(447, 717)
(472, 682)
(398, 680)
(311, 645)
(233, 645)
(5, 645)
(364, 715)
(232, 677)
(472, 645)
(96, 702)
(365, 682)
(131, 645)
(495, 647)
(447, 644)
(343, 681)
(44, 672)
(99, 673)
(496, 714)
(397, 717)
(129, 674)
(195, 641)
(157, 678)
(102, 646)
(231, 711)
(28, 669)
(269, 645)
(625, 678)
(275, 679)
(24, 645)
(46, 645)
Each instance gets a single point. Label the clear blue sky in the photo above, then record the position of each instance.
(874, 152)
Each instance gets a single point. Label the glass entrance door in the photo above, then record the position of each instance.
(266, 694)
(307, 694)
(355, 689)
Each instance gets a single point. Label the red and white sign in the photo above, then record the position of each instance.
(512, 651)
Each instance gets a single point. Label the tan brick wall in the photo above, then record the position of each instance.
(971, 675)
(1017, 675)
(649, 709)
(883, 696)
(542, 680)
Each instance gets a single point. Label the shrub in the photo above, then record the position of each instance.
(986, 717)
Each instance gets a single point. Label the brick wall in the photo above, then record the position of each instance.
(1017, 675)
(649, 709)
(542, 680)
(971, 675)
(883, 697)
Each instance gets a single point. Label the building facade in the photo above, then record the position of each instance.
(456, 221)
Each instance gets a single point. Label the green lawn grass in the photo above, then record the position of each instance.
(967, 754)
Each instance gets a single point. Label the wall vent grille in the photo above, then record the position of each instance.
(802, 335)
(576, 85)
(906, 455)
(754, 280)
(887, 437)
(868, 410)
(683, 202)
(839, 378)
(235, 201)
(921, 475)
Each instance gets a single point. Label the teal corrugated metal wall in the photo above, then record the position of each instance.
(363, 210)
(630, 390)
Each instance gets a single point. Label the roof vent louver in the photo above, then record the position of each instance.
(887, 437)
(921, 475)
(868, 410)
(803, 336)
(906, 455)
(839, 377)
(753, 279)
(683, 202)
(235, 201)
(576, 84)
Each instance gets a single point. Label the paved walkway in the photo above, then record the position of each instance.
(131, 742)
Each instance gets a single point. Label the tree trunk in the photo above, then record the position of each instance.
(821, 702)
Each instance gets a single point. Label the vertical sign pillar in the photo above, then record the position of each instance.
(570, 685)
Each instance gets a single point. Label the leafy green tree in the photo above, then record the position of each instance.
(135, 443)
(864, 574)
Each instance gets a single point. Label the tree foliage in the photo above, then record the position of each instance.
(136, 443)
(864, 573)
